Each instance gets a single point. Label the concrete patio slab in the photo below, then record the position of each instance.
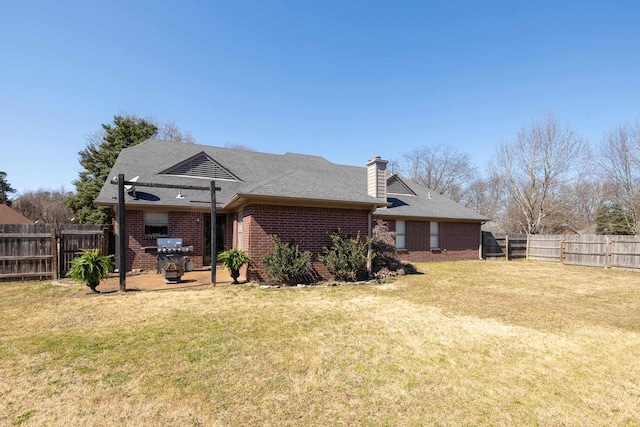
(151, 281)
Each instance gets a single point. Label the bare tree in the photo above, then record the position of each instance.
(536, 170)
(236, 146)
(620, 163)
(47, 206)
(485, 197)
(441, 168)
(171, 132)
(587, 197)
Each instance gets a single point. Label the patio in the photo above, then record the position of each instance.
(151, 281)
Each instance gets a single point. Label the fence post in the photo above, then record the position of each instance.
(54, 254)
(562, 250)
(527, 248)
(104, 241)
(506, 247)
(607, 253)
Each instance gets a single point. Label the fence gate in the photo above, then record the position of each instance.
(77, 239)
(503, 245)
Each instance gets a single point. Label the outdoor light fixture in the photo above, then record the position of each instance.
(131, 188)
(179, 196)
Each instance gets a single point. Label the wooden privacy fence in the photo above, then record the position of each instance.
(589, 250)
(586, 250)
(501, 245)
(44, 251)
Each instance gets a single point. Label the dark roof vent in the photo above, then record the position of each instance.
(395, 185)
(201, 166)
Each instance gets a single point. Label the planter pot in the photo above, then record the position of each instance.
(234, 275)
(92, 288)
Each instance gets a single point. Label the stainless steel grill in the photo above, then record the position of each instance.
(169, 250)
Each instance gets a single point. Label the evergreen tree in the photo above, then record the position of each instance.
(5, 189)
(98, 158)
(613, 220)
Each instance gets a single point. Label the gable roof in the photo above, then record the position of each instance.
(201, 166)
(396, 185)
(10, 216)
(245, 175)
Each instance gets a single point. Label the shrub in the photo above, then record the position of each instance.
(346, 257)
(386, 263)
(286, 264)
(384, 245)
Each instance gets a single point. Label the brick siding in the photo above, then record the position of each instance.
(187, 225)
(458, 241)
(306, 226)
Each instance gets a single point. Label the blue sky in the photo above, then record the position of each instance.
(346, 80)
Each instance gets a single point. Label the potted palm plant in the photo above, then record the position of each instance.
(90, 268)
(233, 260)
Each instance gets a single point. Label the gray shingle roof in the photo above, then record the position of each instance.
(292, 176)
(427, 204)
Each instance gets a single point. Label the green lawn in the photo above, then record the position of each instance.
(466, 343)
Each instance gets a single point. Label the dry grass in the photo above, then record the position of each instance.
(467, 343)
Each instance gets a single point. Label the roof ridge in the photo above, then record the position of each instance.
(311, 174)
(267, 181)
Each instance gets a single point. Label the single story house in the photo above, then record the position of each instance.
(300, 198)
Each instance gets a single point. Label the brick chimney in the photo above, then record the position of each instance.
(377, 178)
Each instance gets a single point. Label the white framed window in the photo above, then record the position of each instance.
(434, 235)
(156, 224)
(240, 230)
(401, 234)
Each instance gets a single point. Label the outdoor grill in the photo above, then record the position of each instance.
(169, 250)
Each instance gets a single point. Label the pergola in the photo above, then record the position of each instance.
(120, 261)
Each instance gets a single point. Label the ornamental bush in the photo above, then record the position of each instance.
(286, 264)
(346, 257)
(386, 263)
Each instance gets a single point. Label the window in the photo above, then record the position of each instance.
(434, 235)
(156, 224)
(240, 232)
(401, 234)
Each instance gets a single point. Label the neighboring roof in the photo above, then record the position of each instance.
(10, 216)
(298, 178)
(493, 227)
(591, 229)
